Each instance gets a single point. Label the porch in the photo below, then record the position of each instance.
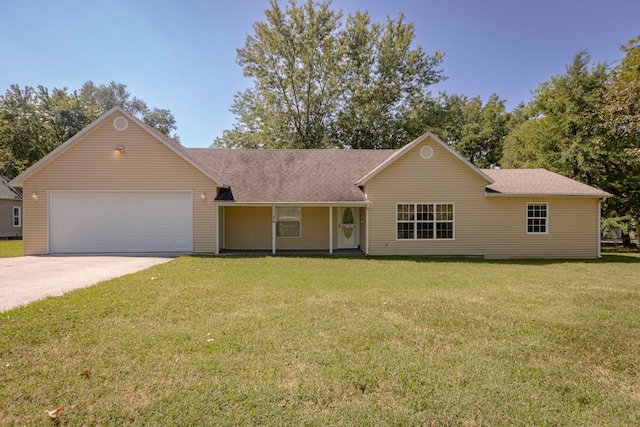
(291, 229)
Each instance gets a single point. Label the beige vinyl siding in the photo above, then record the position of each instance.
(492, 227)
(247, 227)
(441, 179)
(35, 237)
(250, 228)
(314, 233)
(572, 229)
(92, 163)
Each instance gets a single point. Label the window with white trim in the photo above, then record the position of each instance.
(17, 218)
(420, 221)
(288, 221)
(537, 218)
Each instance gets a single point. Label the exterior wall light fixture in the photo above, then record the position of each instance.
(35, 196)
(203, 196)
(120, 148)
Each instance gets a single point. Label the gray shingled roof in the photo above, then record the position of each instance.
(8, 192)
(308, 176)
(288, 176)
(538, 182)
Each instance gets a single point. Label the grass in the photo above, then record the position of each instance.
(333, 341)
(10, 248)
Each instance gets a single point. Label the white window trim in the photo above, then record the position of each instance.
(299, 236)
(13, 216)
(415, 222)
(546, 218)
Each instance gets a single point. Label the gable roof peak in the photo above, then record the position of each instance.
(170, 143)
(402, 151)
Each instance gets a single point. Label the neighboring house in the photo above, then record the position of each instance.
(120, 186)
(10, 210)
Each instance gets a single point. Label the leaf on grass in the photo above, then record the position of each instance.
(54, 413)
(85, 373)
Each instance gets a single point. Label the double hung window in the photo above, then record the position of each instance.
(17, 219)
(419, 221)
(537, 218)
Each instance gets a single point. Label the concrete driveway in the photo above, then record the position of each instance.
(27, 279)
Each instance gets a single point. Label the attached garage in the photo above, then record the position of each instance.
(120, 221)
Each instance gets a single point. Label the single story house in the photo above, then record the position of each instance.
(120, 186)
(10, 210)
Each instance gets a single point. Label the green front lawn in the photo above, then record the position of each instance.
(333, 341)
(10, 248)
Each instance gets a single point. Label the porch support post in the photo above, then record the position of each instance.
(330, 229)
(217, 228)
(366, 251)
(273, 229)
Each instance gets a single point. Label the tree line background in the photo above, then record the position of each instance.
(323, 80)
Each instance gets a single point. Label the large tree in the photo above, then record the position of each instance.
(564, 131)
(321, 82)
(574, 128)
(622, 102)
(475, 129)
(33, 122)
(384, 79)
(621, 121)
(100, 99)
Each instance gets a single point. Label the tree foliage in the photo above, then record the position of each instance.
(384, 78)
(622, 100)
(583, 124)
(321, 82)
(475, 129)
(103, 98)
(621, 120)
(33, 122)
(564, 131)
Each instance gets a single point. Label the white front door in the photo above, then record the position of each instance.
(348, 236)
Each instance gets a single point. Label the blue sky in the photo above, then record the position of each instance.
(181, 55)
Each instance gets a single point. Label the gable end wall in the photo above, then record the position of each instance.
(92, 163)
(490, 227)
(411, 179)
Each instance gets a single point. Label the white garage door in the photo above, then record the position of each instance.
(136, 221)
